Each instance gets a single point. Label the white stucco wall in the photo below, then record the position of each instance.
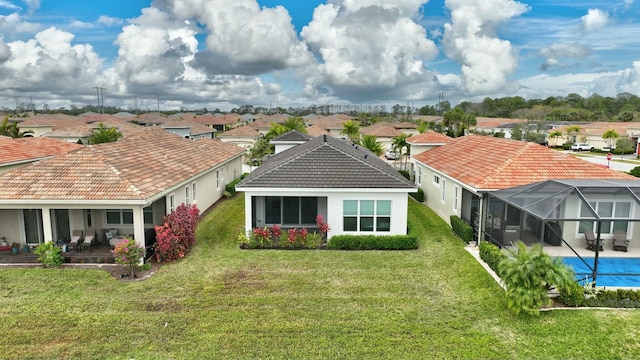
(399, 203)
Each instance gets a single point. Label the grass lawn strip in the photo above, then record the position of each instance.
(226, 303)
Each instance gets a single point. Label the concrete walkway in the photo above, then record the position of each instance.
(629, 163)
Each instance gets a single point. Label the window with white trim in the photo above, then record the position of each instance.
(147, 214)
(186, 195)
(193, 192)
(436, 180)
(606, 209)
(119, 216)
(456, 189)
(419, 177)
(172, 203)
(443, 190)
(366, 215)
(291, 210)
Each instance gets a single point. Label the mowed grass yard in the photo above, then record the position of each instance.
(224, 302)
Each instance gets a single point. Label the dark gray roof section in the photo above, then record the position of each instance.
(292, 136)
(326, 162)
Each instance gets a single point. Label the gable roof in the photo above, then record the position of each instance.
(489, 163)
(429, 137)
(291, 136)
(136, 168)
(381, 129)
(15, 151)
(325, 162)
(240, 131)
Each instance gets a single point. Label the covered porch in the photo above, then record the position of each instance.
(586, 219)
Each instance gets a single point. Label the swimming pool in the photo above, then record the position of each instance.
(608, 266)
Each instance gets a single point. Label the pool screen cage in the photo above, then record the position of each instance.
(558, 213)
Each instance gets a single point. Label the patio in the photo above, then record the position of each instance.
(100, 255)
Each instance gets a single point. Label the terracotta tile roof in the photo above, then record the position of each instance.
(32, 148)
(315, 130)
(381, 129)
(134, 168)
(488, 163)
(329, 122)
(484, 122)
(56, 122)
(429, 137)
(240, 131)
(208, 119)
(405, 125)
(86, 130)
(291, 136)
(194, 128)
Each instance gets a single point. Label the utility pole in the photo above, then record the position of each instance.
(135, 99)
(100, 96)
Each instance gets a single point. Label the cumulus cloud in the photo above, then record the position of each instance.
(109, 21)
(32, 5)
(49, 63)
(13, 24)
(595, 19)
(368, 48)
(471, 40)
(563, 50)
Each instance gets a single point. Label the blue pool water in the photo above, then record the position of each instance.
(612, 266)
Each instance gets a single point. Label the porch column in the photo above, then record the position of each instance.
(138, 228)
(248, 200)
(47, 228)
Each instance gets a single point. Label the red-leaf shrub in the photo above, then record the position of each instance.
(178, 233)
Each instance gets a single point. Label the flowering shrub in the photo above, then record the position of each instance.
(178, 234)
(297, 237)
(127, 252)
(323, 227)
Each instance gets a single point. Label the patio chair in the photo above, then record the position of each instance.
(620, 242)
(88, 241)
(76, 235)
(591, 240)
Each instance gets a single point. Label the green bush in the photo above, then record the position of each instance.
(635, 171)
(49, 254)
(231, 187)
(572, 295)
(462, 229)
(373, 242)
(491, 254)
(405, 173)
(567, 146)
(419, 196)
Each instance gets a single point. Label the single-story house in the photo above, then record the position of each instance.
(288, 140)
(128, 185)
(245, 136)
(426, 141)
(458, 177)
(24, 151)
(355, 191)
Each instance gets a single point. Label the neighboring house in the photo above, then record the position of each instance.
(188, 129)
(288, 140)
(129, 185)
(244, 136)
(45, 123)
(496, 125)
(24, 151)
(384, 131)
(82, 133)
(355, 191)
(426, 141)
(220, 123)
(458, 176)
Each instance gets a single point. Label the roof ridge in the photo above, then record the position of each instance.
(97, 153)
(373, 166)
(506, 164)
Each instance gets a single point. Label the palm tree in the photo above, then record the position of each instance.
(103, 134)
(572, 131)
(351, 129)
(12, 130)
(555, 135)
(610, 135)
(295, 123)
(399, 144)
(371, 142)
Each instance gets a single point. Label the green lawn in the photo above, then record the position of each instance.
(223, 302)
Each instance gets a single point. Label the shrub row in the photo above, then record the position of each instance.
(231, 187)
(491, 254)
(461, 228)
(373, 242)
(178, 234)
(419, 196)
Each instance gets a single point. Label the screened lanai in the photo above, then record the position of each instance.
(583, 218)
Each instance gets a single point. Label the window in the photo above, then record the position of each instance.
(419, 177)
(119, 216)
(455, 197)
(443, 190)
(186, 195)
(147, 214)
(217, 179)
(193, 192)
(171, 203)
(366, 215)
(291, 210)
(436, 180)
(89, 218)
(605, 209)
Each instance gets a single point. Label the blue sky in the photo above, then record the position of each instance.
(226, 53)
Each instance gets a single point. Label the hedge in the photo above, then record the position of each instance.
(231, 187)
(461, 228)
(491, 254)
(373, 242)
(419, 196)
